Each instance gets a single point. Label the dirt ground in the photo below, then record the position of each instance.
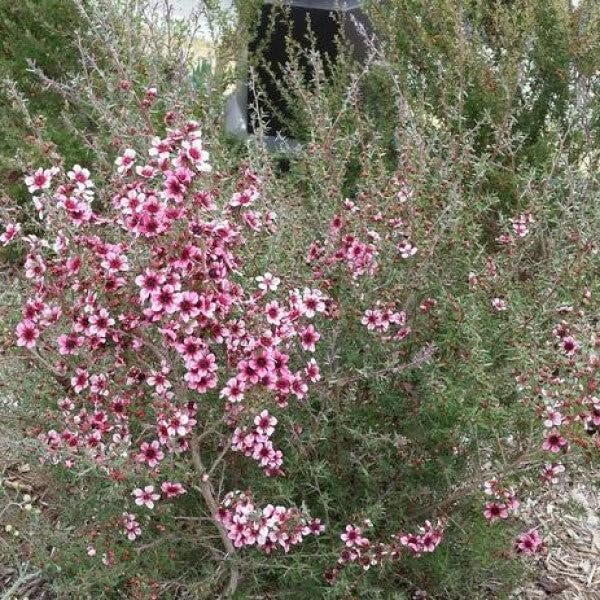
(570, 515)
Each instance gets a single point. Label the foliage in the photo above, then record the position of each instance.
(47, 38)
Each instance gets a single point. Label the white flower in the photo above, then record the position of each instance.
(268, 282)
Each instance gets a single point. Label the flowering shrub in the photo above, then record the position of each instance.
(141, 310)
(175, 351)
(352, 374)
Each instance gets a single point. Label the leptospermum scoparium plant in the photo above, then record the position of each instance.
(143, 312)
(172, 349)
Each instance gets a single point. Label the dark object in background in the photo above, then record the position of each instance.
(279, 19)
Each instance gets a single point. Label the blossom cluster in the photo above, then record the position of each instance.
(521, 228)
(358, 234)
(359, 549)
(142, 305)
(148, 496)
(387, 321)
(564, 388)
(266, 528)
(504, 501)
(130, 526)
(256, 443)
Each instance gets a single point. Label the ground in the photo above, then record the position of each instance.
(571, 514)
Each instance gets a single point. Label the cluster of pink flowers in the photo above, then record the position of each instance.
(521, 224)
(562, 391)
(163, 334)
(564, 387)
(360, 231)
(359, 549)
(504, 502)
(404, 192)
(359, 255)
(130, 526)
(256, 443)
(140, 310)
(386, 319)
(268, 528)
(426, 540)
(521, 227)
(148, 496)
(189, 323)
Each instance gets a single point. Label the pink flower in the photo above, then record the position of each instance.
(313, 302)
(406, 249)
(312, 370)
(40, 180)
(495, 511)
(554, 442)
(80, 380)
(81, 177)
(268, 282)
(158, 380)
(553, 418)
(530, 542)
(405, 193)
(181, 423)
(172, 489)
(265, 423)
(150, 453)
(164, 300)
(115, 262)
(551, 471)
(150, 282)
(175, 188)
(498, 304)
(234, 390)
(353, 536)
(145, 171)
(372, 319)
(145, 497)
(10, 233)
(69, 344)
(309, 337)
(244, 198)
(187, 305)
(34, 267)
(274, 313)
(27, 334)
(569, 345)
(197, 155)
(100, 322)
(314, 527)
(126, 161)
